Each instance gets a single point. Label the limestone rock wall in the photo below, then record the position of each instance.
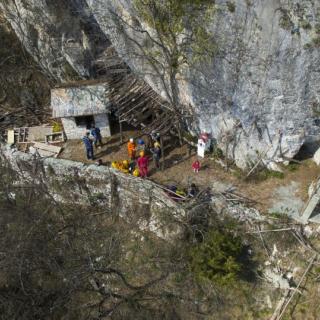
(109, 190)
(62, 35)
(259, 97)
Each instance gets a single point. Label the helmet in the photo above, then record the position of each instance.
(157, 145)
(140, 141)
(131, 140)
(141, 153)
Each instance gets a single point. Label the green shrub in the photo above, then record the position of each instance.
(264, 174)
(274, 174)
(96, 198)
(292, 167)
(231, 6)
(307, 46)
(305, 25)
(316, 42)
(285, 21)
(217, 258)
(217, 153)
(282, 216)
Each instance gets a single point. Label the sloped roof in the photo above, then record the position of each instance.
(80, 100)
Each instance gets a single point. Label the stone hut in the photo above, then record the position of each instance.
(79, 105)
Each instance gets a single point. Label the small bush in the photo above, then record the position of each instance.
(274, 174)
(305, 25)
(285, 21)
(283, 217)
(264, 174)
(217, 153)
(307, 46)
(217, 258)
(189, 137)
(56, 126)
(96, 198)
(316, 42)
(292, 167)
(50, 170)
(238, 173)
(231, 6)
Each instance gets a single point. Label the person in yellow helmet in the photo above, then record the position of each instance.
(156, 154)
(143, 165)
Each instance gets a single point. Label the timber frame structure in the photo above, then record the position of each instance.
(134, 100)
(139, 105)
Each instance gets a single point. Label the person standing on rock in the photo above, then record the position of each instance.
(95, 132)
(88, 145)
(143, 165)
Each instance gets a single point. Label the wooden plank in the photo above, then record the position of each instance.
(58, 135)
(310, 207)
(47, 147)
(46, 153)
(163, 153)
(10, 137)
(39, 133)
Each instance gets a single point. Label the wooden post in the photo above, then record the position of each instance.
(180, 135)
(162, 153)
(189, 150)
(121, 137)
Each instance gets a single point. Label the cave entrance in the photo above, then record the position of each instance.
(307, 151)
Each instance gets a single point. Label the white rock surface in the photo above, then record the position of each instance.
(277, 280)
(316, 157)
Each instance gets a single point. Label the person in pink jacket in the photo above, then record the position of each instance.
(196, 166)
(143, 165)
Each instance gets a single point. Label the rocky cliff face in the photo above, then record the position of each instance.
(260, 95)
(24, 87)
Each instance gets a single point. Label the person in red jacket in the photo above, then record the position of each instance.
(143, 165)
(196, 166)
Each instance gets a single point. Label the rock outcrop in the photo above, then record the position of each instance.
(108, 189)
(259, 97)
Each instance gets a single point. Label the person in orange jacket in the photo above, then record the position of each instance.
(131, 149)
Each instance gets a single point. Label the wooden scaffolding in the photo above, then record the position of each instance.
(137, 104)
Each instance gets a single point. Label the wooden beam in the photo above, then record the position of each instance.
(120, 126)
(162, 153)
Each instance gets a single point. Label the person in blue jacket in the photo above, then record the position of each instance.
(95, 132)
(88, 145)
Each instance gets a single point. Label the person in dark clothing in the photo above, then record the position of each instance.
(95, 132)
(132, 166)
(193, 190)
(155, 136)
(88, 145)
(156, 154)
